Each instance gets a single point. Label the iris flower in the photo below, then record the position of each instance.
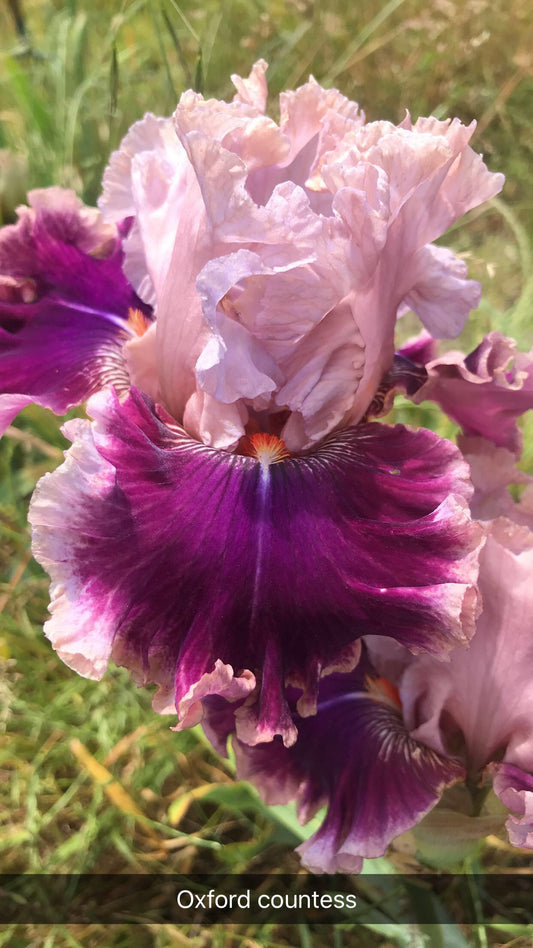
(392, 736)
(231, 522)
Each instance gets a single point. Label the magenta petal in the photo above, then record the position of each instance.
(484, 392)
(515, 790)
(167, 555)
(355, 756)
(64, 305)
(58, 357)
(419, 349)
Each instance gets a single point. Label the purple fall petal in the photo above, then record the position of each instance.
(355, 756)
(419, 349)
(484, 392)
(167, 556)
(64, 305)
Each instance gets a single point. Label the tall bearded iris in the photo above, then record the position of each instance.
(231, 522)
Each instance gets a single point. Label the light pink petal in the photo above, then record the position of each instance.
(412, 163)
(335, 217)
(164, 193)
(486, 692)
(220, 425)
(141, 359)
(150, 134)
(234, 365)
(148, 179)
(365, 210)
(324, 373)
(302, 115)
(239, 127)
(253, 90)
(222, 682)
(515, 790)
(312, 120)
(493, 471)
(232, 214)
(253, 348)
(449, 187)
(440, 293)
(433, 175)
(286, 231)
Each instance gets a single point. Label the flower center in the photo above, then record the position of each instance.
(267, 448)
(381, 689)
(138, 322)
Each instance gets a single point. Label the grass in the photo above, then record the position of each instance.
(90, 779)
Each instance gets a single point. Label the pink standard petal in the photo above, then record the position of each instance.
(440, 294)
(486, 691)
(150, 180)
(338, 215)
(253, 90)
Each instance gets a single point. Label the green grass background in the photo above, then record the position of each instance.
(90, 779)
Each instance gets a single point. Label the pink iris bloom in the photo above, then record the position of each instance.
(231, 523)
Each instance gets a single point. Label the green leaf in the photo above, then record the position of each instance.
(407, 936)
(286, 815)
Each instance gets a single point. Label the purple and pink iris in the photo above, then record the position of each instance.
(349, 599)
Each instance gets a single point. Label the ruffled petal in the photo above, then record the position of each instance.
(306, 117)
(149, 181)
(336, 215)
(253, 90)
(484, 392)
(356, 757)
(239, 126)
(167, 555)
(64, 305)
(310, 365)
(440, 294)
(493, 471)
(323, 373)
(237, 300)
(433, 175)
(466, 181)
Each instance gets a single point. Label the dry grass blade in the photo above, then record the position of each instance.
(112, 787)
(14, 581)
